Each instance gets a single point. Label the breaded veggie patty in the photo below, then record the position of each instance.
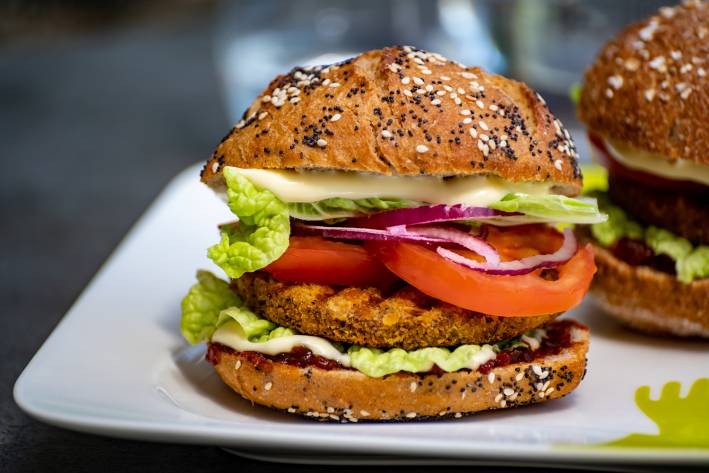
(682, 212)
(405, 318)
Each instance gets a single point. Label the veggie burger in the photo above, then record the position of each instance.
(646, 103)
(396, 254)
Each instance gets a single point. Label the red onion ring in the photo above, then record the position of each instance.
(425, 234)
(452, 235)
(426, 214)
(522, 266)
(352, 233)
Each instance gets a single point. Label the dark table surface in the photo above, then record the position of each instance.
(91, 129)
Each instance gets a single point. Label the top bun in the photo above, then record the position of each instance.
(401, 111)
(649, 88)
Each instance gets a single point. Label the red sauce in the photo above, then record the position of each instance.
(302, 357)
(558, 337)
(299, 356)
(214, 351)
(637, 253)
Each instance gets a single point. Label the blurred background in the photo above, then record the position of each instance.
(101, 103)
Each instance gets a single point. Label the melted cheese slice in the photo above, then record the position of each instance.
(313, 186)
(371, 362)
(231, 335)
(658, 165)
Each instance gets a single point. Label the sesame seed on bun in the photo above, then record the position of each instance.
(401, 111)
(344, 395)
(649, 87)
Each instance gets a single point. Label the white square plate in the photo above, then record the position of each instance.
(116, 365)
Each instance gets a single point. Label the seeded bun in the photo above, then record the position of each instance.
(649, 87)
(401, 111)
(343, 395)
(650, 300)
(405, 318)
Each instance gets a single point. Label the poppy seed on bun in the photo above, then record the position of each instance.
(401, 111)
(649, 85)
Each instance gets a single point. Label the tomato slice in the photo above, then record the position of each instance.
(316, 260)
(520, 241)
(506, 296)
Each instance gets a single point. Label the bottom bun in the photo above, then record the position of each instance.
(650, 300)
(345, 395)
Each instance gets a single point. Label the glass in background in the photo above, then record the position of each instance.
(548, 44)
(258, 39)
(545, 43)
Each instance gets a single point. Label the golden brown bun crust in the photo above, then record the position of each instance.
(405, 319)
(348, 396)
(650, 300)
(649, 86)
(401, 111)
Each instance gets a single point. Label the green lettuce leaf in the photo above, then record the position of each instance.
(575, 93)
(616, 227)
(376, 362)
(250, 324)
(262, 233)
(338, 207)
(277, 332)
(210, 304)
(595, 178)
(551, 208)
(202, 305)
(664, 242)
(690, 262)
(694, 266)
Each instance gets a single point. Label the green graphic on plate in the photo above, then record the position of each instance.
(683, 421)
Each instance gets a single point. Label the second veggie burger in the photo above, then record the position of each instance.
(396, 255)
(646, 103)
